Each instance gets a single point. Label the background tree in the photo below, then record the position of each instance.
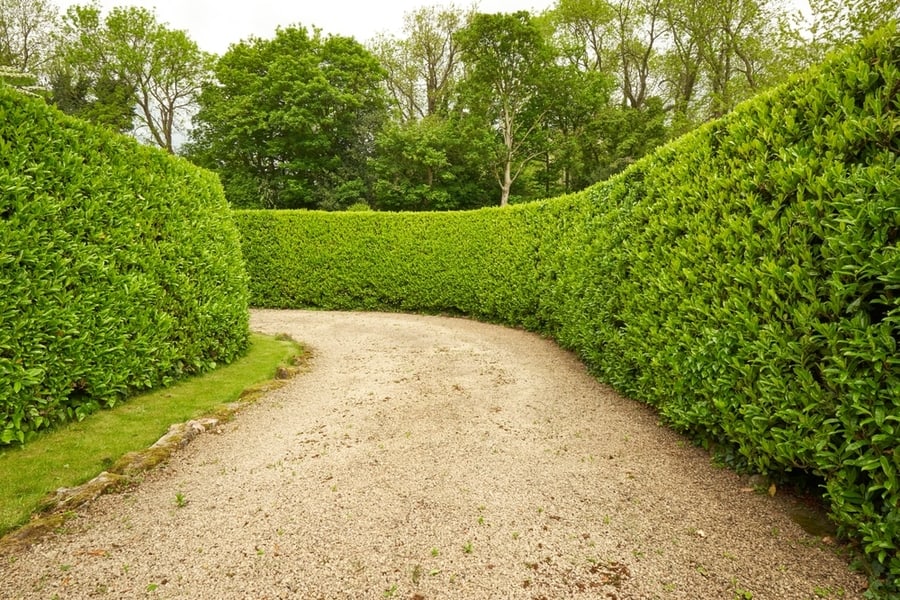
(641, 32)
(26, 28)
(104, 99)
(594, 129)
(698, 57)
(423, 67)
(836, 23)
(103, 60)
(434, 163)
(720, 53)
(291, 122)
(427, 157)
(585, 33)
(508, 65)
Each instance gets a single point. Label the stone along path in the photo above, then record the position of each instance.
(431, 458)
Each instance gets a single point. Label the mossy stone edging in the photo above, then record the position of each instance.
(59, 506)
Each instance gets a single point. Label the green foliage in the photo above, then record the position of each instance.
(422, 68)
(120, 268)
(836, 23)
(291, 120)
(106, 100)
(509, 73)
(435, 163)
(475, 263)
(26, 31)
(553, 103)
(126, 67)
(744, 280)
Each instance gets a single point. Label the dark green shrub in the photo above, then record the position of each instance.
(120, 268)
(744, 280)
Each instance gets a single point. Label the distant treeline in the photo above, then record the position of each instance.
(462, 110)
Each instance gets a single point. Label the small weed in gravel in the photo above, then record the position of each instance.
(740, 593)
(826, 592)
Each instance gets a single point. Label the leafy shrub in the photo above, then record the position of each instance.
(466, 263)
(744, 280)
(120, 268)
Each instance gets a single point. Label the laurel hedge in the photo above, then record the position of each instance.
(744, 280)
(428, 262)
(120, 268)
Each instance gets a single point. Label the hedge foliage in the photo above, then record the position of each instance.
(400, 261)
(120, 268)
(744, 280)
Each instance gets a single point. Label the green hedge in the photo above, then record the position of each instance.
(428, 262)
(747, 282)
(744, 280)
(120, 268)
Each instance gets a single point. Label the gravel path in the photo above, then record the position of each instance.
(430, 458)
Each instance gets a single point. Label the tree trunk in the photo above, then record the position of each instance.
(506, 184)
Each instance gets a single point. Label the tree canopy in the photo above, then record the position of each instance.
(290, 122)
(509, 74)
(127, 70)
(26, 30)
(461, 109)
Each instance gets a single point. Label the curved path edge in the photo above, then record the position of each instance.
(431, 457)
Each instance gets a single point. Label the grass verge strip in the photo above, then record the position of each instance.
(76, 452)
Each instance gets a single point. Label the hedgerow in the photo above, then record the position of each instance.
(120, 268)
(744, 280)
(473, 263)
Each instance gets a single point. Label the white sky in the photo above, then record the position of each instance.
(215, 24)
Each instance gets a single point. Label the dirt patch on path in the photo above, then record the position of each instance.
(431, 458)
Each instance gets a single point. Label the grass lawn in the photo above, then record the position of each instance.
(77, 452)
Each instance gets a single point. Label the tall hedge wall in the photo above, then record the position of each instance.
(744, 280)
(120, 268)
(399, 261)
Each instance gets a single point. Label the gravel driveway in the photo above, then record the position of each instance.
(431, 458)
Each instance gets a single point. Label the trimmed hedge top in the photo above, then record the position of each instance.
(119, 264)
(744, 280)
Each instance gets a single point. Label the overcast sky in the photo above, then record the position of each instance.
(215, 24)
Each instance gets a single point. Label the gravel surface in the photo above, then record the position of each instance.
(428, 458)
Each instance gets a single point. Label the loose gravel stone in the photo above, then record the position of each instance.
(434, 458)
